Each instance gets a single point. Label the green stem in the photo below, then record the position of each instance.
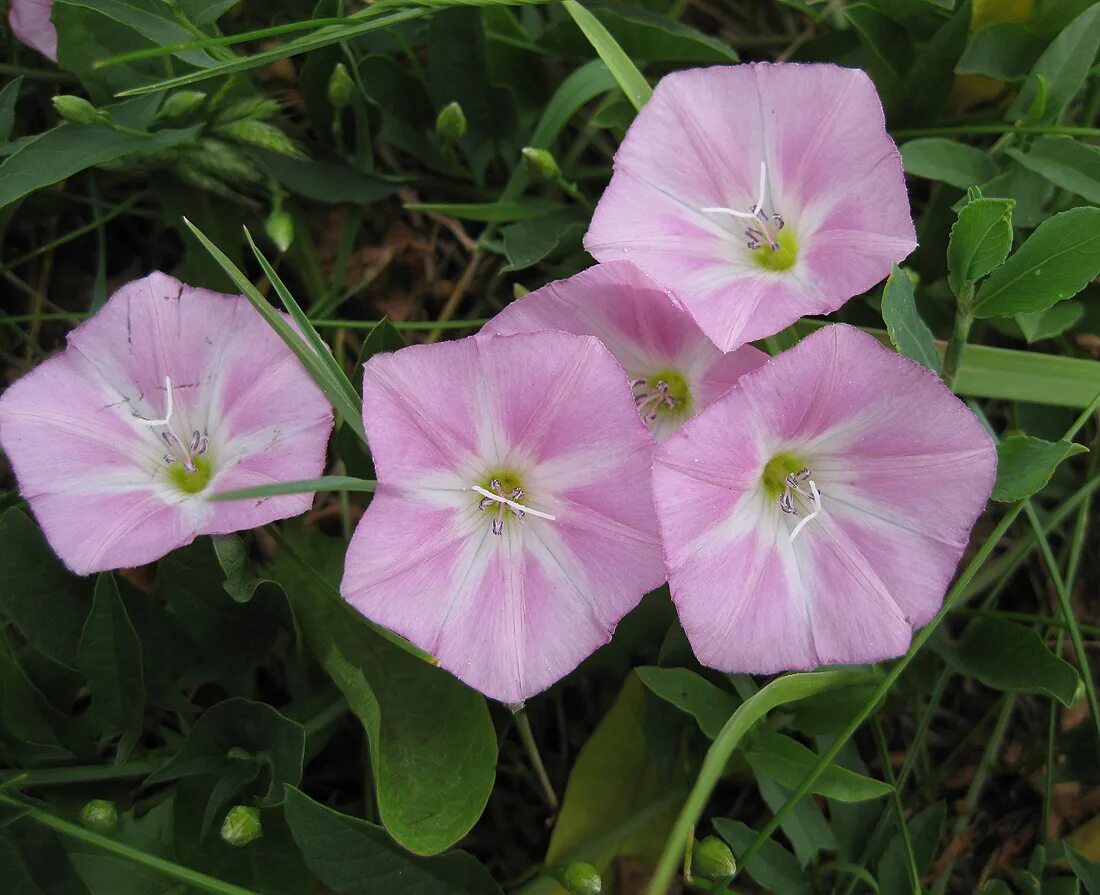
(159, 865)
(527, 737)
(80, 773)
(952, 357)
(899, 809)
(977, 129)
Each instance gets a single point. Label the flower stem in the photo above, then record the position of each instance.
(80, 773)
(160, 865)
(964, 319)
(527, 737)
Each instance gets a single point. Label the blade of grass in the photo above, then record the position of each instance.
(350, 411)
(625, 72)
(303, 486)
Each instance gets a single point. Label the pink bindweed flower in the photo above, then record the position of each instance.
(165, 396)
(815, 514)
(759, 193)
(513, 524)
(30, 22)
(674, 370)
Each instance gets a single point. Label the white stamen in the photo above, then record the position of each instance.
(747, 215)
(816, 497)
(518, 507)
(167, 408)
(760, 191)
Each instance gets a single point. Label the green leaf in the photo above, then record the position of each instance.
(1050, 322)
(909, 333)
(1088, 872)
(433, 748)
(925, 829)
(1027, 189)
(1004, 51)
(110, 656)
(1025, 464)
(39, 596)
(528, 242)
(324, 483)
(1008, 656)
(498, 212)
(625, 72)
(773, 867)
(1065, 162)
(30, 728)
(708, 704)
(1056, 262)
(888, 46)
(325, 181)
(8, 97)
(1062, 68)
(938, 158)
(981, 239)
(353, 857)
(788, 762)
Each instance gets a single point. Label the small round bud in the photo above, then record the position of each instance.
(712, 859)
(580, 878)
(450, 124)
(100, 815)
(181, 103)
(280, 227)
(519, 290)
(79, 111)
(541, 165)
(241, 826)
(341, 87)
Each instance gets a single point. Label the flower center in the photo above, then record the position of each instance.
(188, 467)
(666, 392)
(506, 491)
(787, 480)
(779, 249)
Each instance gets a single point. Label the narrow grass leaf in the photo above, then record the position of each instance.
(625, 72)
(304, 486)
(1065, 162)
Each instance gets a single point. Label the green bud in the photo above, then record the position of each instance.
(280, 227)
(341, 87)
(580, 878)
(181, 103)
(519, 290)
(450, 124)
(541, 165)
(79, 110)
(712, 859)
(241, 826)
(261, 135)
(100, 816)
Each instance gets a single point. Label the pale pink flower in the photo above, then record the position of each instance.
(513, 524)
(30, 22)
(815, 514)
(674, 370)
(759, 193)
(167, 395)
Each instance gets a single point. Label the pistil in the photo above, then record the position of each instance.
(179, 452)
(765, 229)
(800, 492)
(511, 501)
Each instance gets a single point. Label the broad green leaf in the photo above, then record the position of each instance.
(788, 762)
(1027, 189)
(8, 96)
(110, 656)
(773, 867)
(925, 829)
(690, 692)
(909, 333)
(497, 212)
(1025, 464)
(805, 825)
(1065, 162)
(45, 602)
(980, 241)
(887, 43)
(433, 748)
(937, 158)
(1008, 656)
(528, 242)
(30, 727)
(1050, 322)
(324, 483)
(354, 857)
(625, 72)
(1062, 69)
(1004, 51)
(1056, 262)
(1088, 872)
(616, 805)
(325, 181)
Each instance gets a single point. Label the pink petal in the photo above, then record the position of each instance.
(904, 470)
(833, 173)
(508, 614)
(30, 22)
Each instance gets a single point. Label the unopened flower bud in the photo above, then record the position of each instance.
(580, 878)
(100, 816)
(519, 290)
(450, 124)
(241, 826)
(712, 859)
(181, 103)
(280, 227)
(341, 87)
(541, 165)
(79, 111)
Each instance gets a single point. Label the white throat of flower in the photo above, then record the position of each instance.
(180, 452)
(797, 496)
(766, 227)
(511, 502)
